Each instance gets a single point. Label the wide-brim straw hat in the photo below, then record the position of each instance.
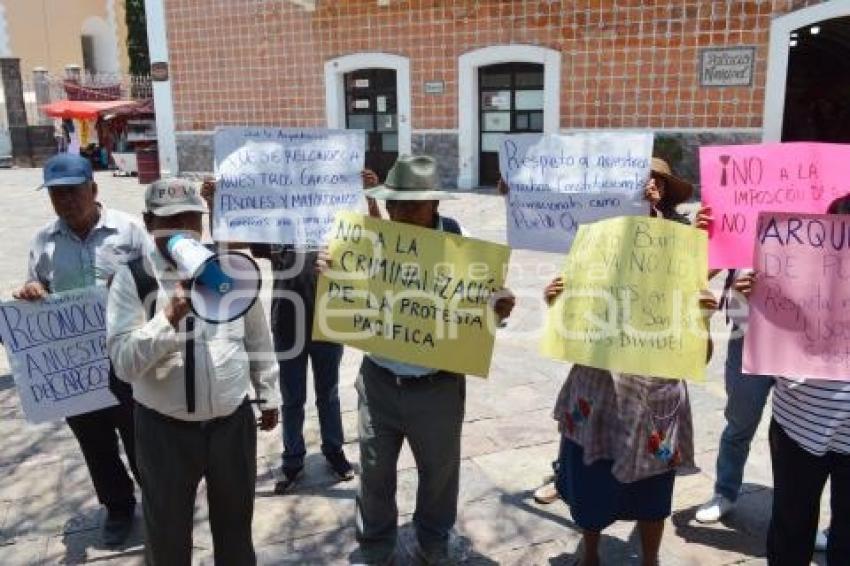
(676, 190)
(412, 177)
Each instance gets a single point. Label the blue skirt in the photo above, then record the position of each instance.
(597, 499)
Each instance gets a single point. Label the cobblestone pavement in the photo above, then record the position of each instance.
(49, 514)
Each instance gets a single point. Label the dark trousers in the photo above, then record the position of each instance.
(325, 358)
(428, 412)
(173, 456)
(798, 481)
(97, 433)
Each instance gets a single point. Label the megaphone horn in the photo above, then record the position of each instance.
(223, 285)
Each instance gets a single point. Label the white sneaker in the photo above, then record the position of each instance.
(714, 509)
(821, 540)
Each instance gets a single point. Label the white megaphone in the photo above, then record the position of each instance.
(223, 285)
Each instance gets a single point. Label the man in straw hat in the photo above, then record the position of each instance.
(399, 400)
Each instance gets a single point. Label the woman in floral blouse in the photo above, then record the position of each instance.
(623, 435)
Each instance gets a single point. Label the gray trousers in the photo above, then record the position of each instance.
(428, 412)
(172, 457)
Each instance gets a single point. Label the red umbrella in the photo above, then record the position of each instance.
(83, 110)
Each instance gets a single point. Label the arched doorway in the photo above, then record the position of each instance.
(473, 108)
(371, 92)
(817, 90)
(99, 47)
(807, 91)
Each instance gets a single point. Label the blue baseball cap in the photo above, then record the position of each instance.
(66, 169)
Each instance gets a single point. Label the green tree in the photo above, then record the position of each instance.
(137, 37)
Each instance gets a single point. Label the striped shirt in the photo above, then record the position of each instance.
(814, 413)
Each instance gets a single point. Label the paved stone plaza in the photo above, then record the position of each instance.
(49, 514)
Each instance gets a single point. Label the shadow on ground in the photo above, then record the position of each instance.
(743, 531)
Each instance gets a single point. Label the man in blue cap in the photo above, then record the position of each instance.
(83, 247)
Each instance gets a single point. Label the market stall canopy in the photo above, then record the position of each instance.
(84, 110)
(142, 109)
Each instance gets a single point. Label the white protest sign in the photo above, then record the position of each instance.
(57, 351)
(285, 185)
(559, 182)
(548, 222)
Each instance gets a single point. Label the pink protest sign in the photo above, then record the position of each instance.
(799, 323)
(740, 181)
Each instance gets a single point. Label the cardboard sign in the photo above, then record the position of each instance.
(558, 183)
(285, 186)
(740, 181)
(57, 351)
(631, 300)
(411, 294)
(799, 321)
(548, 222)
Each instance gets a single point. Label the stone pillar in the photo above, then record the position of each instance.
(42, 93)
(73, 73)
(16, 111)
(13, 87)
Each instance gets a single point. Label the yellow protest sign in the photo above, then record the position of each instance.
(410, 294)
(631, 299)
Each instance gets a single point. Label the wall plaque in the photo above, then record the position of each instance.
(435, 87)
(727, 66)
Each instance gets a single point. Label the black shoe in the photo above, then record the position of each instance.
(290, 477)
(340, 466)
(117, 527)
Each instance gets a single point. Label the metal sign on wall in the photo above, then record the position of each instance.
(727, 66)
(435, 87)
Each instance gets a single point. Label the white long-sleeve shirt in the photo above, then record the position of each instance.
(150, 354)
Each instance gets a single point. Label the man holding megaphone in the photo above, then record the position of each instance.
(192, 371)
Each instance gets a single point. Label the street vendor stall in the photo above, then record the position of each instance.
(134, 132)
(122, 132)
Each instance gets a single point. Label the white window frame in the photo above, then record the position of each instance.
(777, 60)
(335, 70)
(468, 103)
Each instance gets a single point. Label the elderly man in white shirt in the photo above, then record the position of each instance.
(191, 382)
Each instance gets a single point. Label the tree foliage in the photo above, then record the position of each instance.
(137, 37)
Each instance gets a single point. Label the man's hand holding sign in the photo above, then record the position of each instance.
(407, 289)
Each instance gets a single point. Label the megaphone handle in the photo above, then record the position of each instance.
(190, 364)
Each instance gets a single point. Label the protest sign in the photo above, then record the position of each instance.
(548, 222)
(57, 352)
(740, 181)
(285, 185)
(799, 316)
(631, 299)
(410, 294)
(558, 182)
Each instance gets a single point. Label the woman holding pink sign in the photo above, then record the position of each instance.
(809, 444)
